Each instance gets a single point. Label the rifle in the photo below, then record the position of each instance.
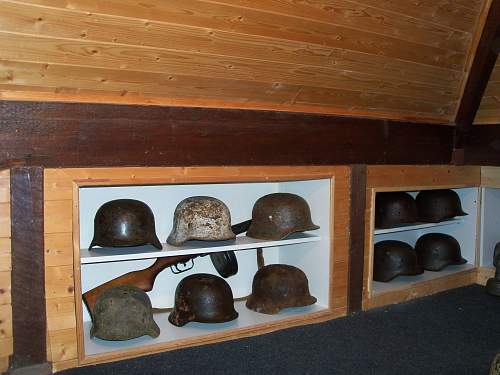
(224, 262)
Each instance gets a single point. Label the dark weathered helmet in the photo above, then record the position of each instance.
(278, 286)
(124, 222)
(493, 283)
(393, 258)
(438, 205)
(276, 215)
(203, 298)
(201, 218)
(394, 208)
(123, 313)
(438, 250)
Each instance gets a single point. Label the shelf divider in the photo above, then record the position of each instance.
(117, 254)
(415, 226)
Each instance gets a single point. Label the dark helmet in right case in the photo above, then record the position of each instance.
(393, 258)
(437, 205)
(278, 286)
(394, 208)
(435, 251)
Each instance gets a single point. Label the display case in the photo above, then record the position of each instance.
(321, 254)
(413, 179)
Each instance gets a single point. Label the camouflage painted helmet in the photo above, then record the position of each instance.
(394, 208)
(201, 218)
(438, 205)
(277, 215)
(123, 313)
(278, 286)
(393, 258)
(124, 222)
(203, 298)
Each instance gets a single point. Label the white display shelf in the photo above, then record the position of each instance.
(170, 333)
(101, 255)
(416, 226)
(405, 282)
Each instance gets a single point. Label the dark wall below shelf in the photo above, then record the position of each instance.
(80, 135)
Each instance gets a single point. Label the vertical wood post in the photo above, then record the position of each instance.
(357, 237)
(28, 271)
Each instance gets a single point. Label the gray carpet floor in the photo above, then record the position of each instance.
(455, 332)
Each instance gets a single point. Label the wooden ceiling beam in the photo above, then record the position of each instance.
(479, 74)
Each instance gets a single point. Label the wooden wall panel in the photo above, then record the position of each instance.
(393, 59)
(489, 110)
(483, 145)
(6, 345)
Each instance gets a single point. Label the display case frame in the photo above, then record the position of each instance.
(63, 269)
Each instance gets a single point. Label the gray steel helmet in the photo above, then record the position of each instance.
(124, 222)
(123, 313)
(278, 286)
(277, 215)
(203, 298)
(201, 218)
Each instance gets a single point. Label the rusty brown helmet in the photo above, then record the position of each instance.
(277, 215)
(201, 218)
(203, 298)
(393, 258)
(278, 286)
(123, 313)
(394, 208)
(435, 251)
(124, 222)
(438, 205)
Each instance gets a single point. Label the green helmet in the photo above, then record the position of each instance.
(123, 313)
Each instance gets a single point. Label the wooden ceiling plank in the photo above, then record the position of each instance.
(479, 74)
(362, 17)
(249, 21)
(29, 48)
(446, 12)
(70, 78)
(493, 89)
(41, 94)
(315, 95)
(193, 39)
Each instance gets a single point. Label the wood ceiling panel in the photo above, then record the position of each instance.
(124, 57)
(400, 59)
(362, 17)
(250, 21)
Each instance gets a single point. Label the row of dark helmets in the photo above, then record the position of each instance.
(433, 252)
(430, 206)
(125, 312)
(129, 222)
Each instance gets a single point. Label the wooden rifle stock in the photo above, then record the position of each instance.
(143, 279)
